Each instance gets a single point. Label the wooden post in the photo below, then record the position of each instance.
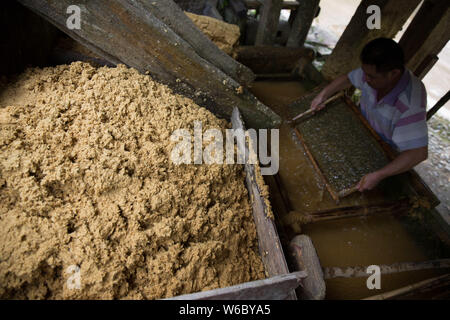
(304, 17)
(345, 56)
(438, 105)
(426, 65)
(169, 13)
(427, 34)
(306, 259)
(131, 33)
(268, 22)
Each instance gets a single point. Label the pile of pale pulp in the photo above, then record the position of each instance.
(91, 206)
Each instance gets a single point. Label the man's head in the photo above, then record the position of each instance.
(383, 63)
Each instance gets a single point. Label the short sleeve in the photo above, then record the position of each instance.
(411, 131)
(357, 78)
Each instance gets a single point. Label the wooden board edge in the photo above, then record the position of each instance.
(274, 288)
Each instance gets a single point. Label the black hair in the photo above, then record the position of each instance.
(385, 54)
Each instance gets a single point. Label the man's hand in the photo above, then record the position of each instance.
(318, 103)
(369, 181)
(340, 83)
(404, 161)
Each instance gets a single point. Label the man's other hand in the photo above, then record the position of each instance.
(369, 181)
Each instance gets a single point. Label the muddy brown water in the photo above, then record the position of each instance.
(348, 242)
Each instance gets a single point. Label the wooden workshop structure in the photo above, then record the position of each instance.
(157, 38)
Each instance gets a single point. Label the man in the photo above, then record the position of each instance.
(393, 101)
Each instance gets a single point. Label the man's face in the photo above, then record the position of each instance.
(378, 80)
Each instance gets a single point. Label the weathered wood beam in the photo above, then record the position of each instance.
(305, 258)
(169, 13)
(425, 66)
(427, 34)
(304, 17)
(270, 248)
(128, 32)
(442, 101)
(274, 288)
(345, 56)
(269, 244)
(268, 22)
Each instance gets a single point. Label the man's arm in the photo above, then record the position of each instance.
(405, 161)
(340, 83)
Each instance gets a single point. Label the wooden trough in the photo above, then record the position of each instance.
(281, 284)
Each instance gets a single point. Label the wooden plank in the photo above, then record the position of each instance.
(270, 248)
(427, 33)
(169, 13)
(345, 56)
(304, 17)
(306, 259)
(122, 31)
(274, 288)
(268, 59)
(268, 22)
(426, 65)
(442, 101)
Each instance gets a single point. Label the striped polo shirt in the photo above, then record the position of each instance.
(400, 117)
